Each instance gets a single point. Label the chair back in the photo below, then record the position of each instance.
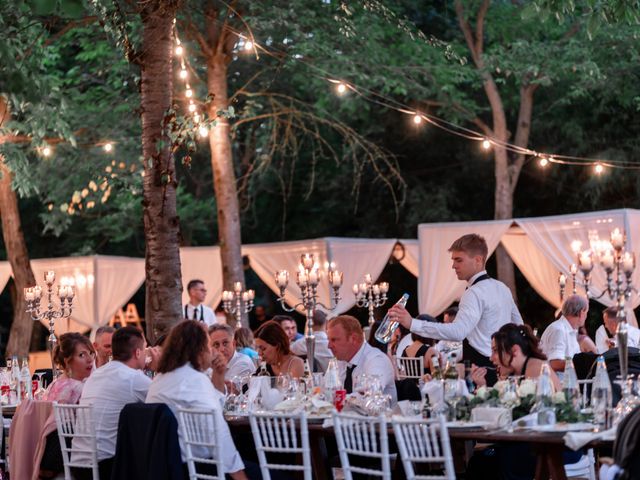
(281, 433)
(423, 441)
(410, 367)
(364, 437)
(76, 421)
(199, 428)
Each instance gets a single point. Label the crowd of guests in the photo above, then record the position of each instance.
(196, 364)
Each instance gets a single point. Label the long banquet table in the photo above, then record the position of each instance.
(548, 446)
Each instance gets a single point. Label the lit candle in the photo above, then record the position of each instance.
(574, 269)
(49, 276)
(62, 292)
(302, 278)
(237, 287)
(282, 278)
(252, 294)
(336, 278)
(245, 296)
(384, 287)
(628, 262)
(367, 278)
(576, 245)
(37, 290)
(585, 262)
(70, 292)
(363, 288)
(355, 289)
(28, 294)
(307, 261)
(606, 260)
(617, 239)
(562, 280)
(376, 289)
(313, 277)
(226, 295)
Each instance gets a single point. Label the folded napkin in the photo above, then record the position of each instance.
(530, 420)
(496, 417)
(406, 409)
(270, 397)
(255, 387)
(576, 440)
(320, 407)
(290, 405)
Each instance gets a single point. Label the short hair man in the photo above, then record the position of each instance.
(450, 314)
(289, 326)
(102, 344)
(322, 353)
(560, 339)
(221, 341)
(606, 333)
(195, 309)
(485, 306)
(357, 357)
(110, 388)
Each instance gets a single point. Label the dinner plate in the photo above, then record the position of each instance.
(563, 427)
(462, 424)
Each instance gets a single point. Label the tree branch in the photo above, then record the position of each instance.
(482, 12)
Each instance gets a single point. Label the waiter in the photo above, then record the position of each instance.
(484, 307)
(196, 309)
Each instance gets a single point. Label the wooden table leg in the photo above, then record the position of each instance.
(550, 463)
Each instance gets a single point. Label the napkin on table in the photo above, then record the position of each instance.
(576, 440)
(496, 417)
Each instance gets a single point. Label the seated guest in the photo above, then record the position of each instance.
(585, 342)
(75, 357)
(560, 339)
(181, 383)
(515, 351)
(405, 339)
(221, 340)
(606, 333)
(322, 353)
(289, 326)
(245, 343)
(357, 357)
(108, 390)
(102, 344)
(272, 344)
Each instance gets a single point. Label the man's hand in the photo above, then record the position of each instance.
(397, 313)
(154, 354)
(219, 367)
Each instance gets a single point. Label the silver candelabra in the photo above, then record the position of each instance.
(238, 302)
(307, 278)
(33, 296)
(370, 295)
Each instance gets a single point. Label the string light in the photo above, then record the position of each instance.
(203, 131)
(598, 168)
(248, 45)
(46, 151)
(188, 93)
(544, 161)
(192, 107)
(183, 74)
(179, 50)
(107, 147)
(341, 88)
(486, 144)
(417, 119)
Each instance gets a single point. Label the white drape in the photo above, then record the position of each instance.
(102, 285)
(202, 263)
(438, 285)
(411, 260)
(353, 256)
(539, 272)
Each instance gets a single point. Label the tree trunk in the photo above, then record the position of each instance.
(503, 210)
(224, 179)
(161, 226)
(17, 254)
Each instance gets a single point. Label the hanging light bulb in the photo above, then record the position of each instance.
(183, 74)
(46, 151)
(486, 144)
(203, 131)
(196, 118)
(179, 50)
(417, 119)
(544, 161)
(599, 168)
(107, 147)
(248, 45)
(189, 93)
(192, 107)
(341, 88)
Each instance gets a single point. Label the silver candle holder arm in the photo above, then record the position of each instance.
(238, 302)
(370, 295)
(308, 278)
(33, 297)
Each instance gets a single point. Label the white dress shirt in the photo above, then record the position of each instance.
(601, 338)
(560, 340)
(108, 389)
(483, 309)
(185, 387)
(371, 361)
(240, 364)
(322, 352)
(201, 312)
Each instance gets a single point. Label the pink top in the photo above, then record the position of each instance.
(64, 390)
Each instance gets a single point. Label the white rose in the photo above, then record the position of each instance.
(558, 397)
(482, 393)
(510, 398)
(501, 385)
(527, 387)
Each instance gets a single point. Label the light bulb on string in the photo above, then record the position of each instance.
(189, 93)
(417, 119)
(196, 118)
(179, 50)
(486, 144)
(192, 107)
(203, 131)
(107, 147)
(183, 74)
(46, 151)
(248, 45)
(341, 88)
(544, 161)
(598, 168)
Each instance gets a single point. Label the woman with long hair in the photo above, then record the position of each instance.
(272, 343)
(515, 350)
(74, 356)
(182, 383)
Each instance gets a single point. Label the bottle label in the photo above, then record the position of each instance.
(338, 399)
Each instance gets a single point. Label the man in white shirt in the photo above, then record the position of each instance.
(606, 333)
(560, 339)
(195, 309)
(110, 388)
(322, 353)
(356, 357)
(485, 306)
(221, 341)
(102, 344)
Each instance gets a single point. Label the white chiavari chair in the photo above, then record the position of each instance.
(198, 430)
(76, 421)
(410, 367)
